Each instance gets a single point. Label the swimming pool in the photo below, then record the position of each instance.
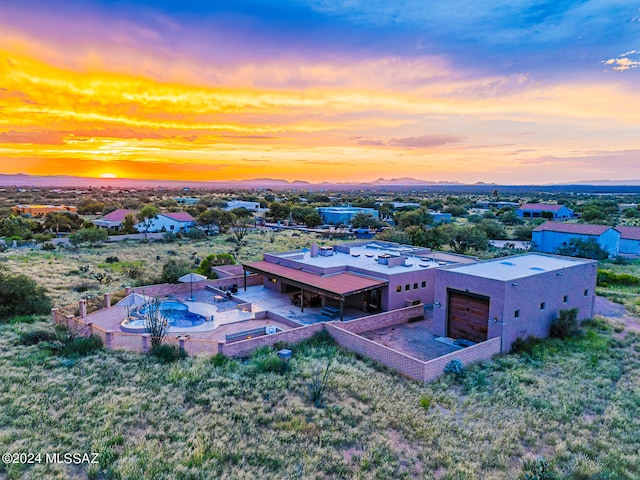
(177, 314)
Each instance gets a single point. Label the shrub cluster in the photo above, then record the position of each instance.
(607, 278)
(566, 325)
(20, 295)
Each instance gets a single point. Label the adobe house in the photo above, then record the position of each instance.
(629, 240)
(373, 276)
(511, 297)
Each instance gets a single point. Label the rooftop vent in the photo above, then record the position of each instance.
(537, 269)
(325, 251)
(511, 264)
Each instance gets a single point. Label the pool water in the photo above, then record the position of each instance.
(178, 315)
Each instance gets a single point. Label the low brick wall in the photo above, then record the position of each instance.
(481, 351)
(164, 289)
(281, 319)
(409, 366)
(381, 320)
(245, 347)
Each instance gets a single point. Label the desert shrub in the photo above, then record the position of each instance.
(607, 277)
(538, 469)
(455, 368)
(169, 237)
(82, 346)
(214, 260)
(194, 233)
(48, 246)
(425, 402)
(112, 260)
(33, 337)
(318, 382)
(271, 364)
(84, 286)
(173, 270)
(92, 236)
(525, 345)
(566, 325)
(166, 353)
(20, 295)
(219, 360)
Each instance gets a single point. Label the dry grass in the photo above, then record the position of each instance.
(574, 403)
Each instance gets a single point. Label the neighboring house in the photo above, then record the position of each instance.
(512, 297)
(550, 236)
(252, 206)
(169, 222)
(41, 210)
(439, 217)
(114, 219)
(536, 210)
(186, 200)
(629, 240)
(489, 203)
(343, 215)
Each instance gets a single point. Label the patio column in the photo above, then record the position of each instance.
(83, 308)
(302, 299)
(342, 310)
(107, 300)
(108, 339)
(244, 275)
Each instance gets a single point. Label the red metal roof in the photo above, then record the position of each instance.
(179, 216)
(577, 228)
(541, 206)
(118, 215)
(629, 233)
(343, 283)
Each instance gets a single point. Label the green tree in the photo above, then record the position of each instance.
(173, 270)
(463, 239)
(583, 248)
(20, 295)
(365, 220)
(214, 260)
(146, 216)
(62, 221)
(279, 211)
(493, 229)
(420, 216)
(312, 220)
(129, 224)
(215, 217)
(92, 236)
(17, 227)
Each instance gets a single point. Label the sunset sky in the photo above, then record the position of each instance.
(506, 91)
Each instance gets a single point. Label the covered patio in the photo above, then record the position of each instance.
(337, 287)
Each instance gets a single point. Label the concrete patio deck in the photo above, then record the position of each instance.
(262, 299)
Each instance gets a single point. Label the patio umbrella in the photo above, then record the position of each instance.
(133, 300)
(192, 277)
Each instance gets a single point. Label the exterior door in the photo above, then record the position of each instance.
(468, 316)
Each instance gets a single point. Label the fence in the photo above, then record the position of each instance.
(346, 334)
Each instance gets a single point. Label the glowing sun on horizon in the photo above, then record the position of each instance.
(108, 175)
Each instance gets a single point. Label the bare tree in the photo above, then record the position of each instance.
(240, 228)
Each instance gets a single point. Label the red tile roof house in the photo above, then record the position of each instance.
(629, 240)
(114, 219)
(170, 222)
(536, 210)
(550, 236)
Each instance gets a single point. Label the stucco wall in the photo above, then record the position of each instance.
(548, 241)
(524, 295)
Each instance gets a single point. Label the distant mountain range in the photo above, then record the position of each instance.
(68, 181)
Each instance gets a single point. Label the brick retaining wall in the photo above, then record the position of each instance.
(481, 351)
(409, 366)
(381, 320)
(245, 347)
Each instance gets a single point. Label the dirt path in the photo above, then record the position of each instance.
(616, 311)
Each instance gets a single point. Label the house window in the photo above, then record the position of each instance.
(542, 306)
(586, 293)
(516, 314)
(424, 284)
(407, 286)
(399, 288)
(565, 299)
(415, 286)
(171, 227)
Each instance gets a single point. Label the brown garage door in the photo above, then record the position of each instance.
(468, 316)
